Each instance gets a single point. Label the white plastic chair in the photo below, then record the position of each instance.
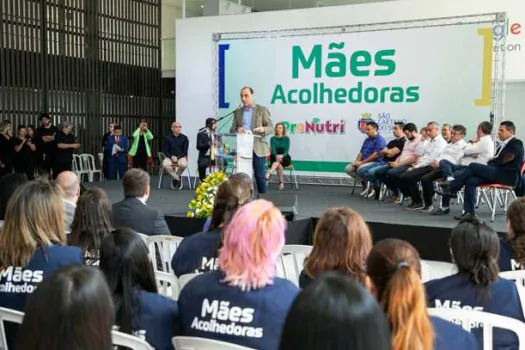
(8, 315)
(488, 321)
(194, 343)
(144, 238)
(129, 341)
(166, 247)
(88, 162)
(184, 279)
(186, 174)
(291, 261)
(432, 270)
(518, 276)
(167, 284)
(78, 167)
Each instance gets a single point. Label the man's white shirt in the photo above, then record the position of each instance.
(453, 152)
(432, 151)
(483, 150)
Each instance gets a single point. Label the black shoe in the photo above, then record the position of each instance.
(427, 209)
(440, 211)
(445, 191)
(416, 206)
(175, 183)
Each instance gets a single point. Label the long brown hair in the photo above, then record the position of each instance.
(395, 269)
(34, 218)
(516, 224)
(92, 222)
(342, 242)
(231, 195)
(284, 129)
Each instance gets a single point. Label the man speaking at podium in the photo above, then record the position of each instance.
(254, 118)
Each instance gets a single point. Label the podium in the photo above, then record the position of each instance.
(237, 146)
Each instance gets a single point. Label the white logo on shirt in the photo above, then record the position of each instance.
(455, 304)
(18, 280)
(209, 264)
(224, 319)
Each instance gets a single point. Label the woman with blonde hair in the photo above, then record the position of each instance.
(342, 242)
(243, 302)
(394, 272)
(32, 242)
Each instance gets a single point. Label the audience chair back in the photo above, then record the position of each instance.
(8, 315)
(167, 284)
(184, 279)
(129, 341)
(517, 276)
(194, 343)
(432, 270)
(488, 321)
(162, 248)
(291, 261)
(144, 237)
(79, 167)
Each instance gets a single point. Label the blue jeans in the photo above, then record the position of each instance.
(448, 169)
(369, 173)
(259, 172)
(391, 177)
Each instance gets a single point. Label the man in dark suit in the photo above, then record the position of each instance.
(503, 169)
(133, 212)
(254, 118)
(204, 144)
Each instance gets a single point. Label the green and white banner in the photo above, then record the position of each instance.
(325, 87)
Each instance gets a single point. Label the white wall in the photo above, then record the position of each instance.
(195, 71)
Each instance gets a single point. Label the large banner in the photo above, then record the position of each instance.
(325, 87)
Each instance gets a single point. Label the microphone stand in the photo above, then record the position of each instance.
(222, 118)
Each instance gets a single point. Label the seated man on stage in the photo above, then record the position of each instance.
(452, 154)
(390, 153)
(370, 155)
(503, 169)
(390, 176)
(409, 180)
(480, 150)
(176, 151)
(207, 146)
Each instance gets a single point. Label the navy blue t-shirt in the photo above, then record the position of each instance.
(506, 259)
(451, 337)
(304, 280)
(212, 309)
(458, 292)
(157, 320)
(17, 283)
(197, 253)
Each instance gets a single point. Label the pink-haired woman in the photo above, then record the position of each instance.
(243, 302)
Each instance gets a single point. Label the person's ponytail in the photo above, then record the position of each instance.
(404, 303)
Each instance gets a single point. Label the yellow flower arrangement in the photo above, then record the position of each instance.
(202, 205)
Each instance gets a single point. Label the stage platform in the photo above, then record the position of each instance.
(429, 234)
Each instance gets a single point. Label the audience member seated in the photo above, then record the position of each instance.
(390, 176)
(32, 244)
(475, 249)
(452, 154)
(480, 150)
(279, 154)
(71, 309)
(91, 224)
(409, 180)
(335, 312)
(199, 252)
(512, 247)
(236, 177)
(446, 132)
(176, 151)
(133, 212)
(342, 242)
(70, 185)
(243, 302)
(139, 310)
(8, 185)
(369, 156)
(394, 271)
(503, 169)
(390, 153)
